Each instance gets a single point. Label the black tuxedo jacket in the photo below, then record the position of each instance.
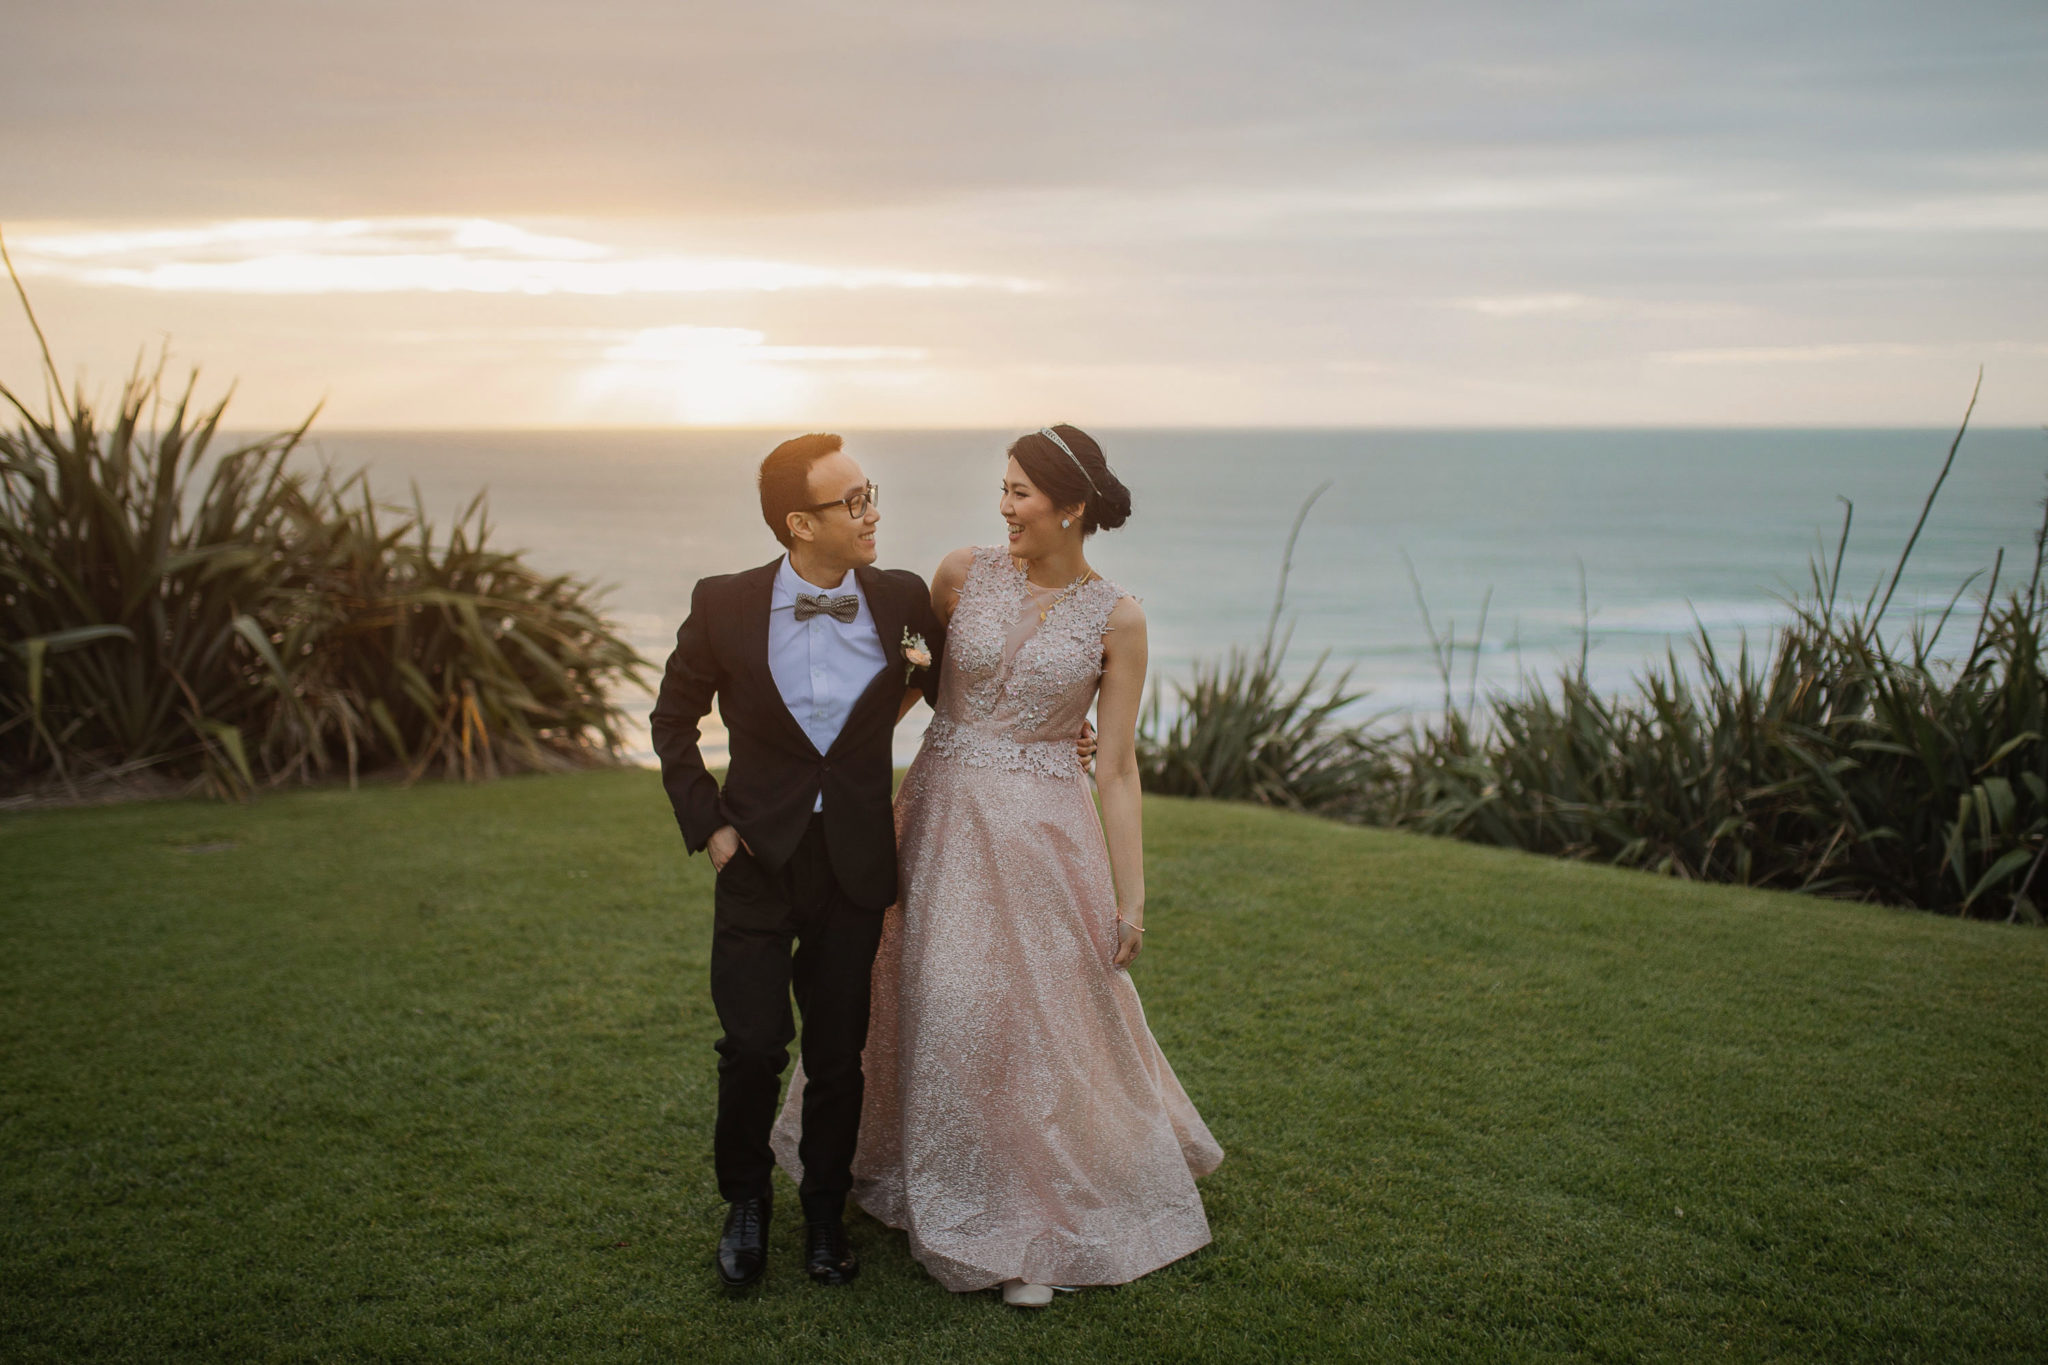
(775, 773)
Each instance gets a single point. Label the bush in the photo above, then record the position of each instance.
(1843, 761)
(177, 621)
(1239, 733)
(1841, 764)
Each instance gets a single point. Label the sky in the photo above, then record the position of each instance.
(957, 214)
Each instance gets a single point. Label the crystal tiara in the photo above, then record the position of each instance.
(1049, 434)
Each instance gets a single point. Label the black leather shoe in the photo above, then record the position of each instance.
(743, 1248)
(830, 1257)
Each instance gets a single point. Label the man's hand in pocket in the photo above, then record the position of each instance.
(725, 841)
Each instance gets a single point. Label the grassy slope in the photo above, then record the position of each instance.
(427, 1073)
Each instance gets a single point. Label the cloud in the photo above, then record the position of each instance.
(1545, 305)
(1527, 305)
(252, 108)
(686, 344)
(1960, 213)
(1793, 355)
(427, 255)
(1475, 212)
(716, 375)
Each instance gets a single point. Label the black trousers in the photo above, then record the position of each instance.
(793, 927)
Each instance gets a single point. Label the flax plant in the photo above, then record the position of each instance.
(1847, 758)
(1239, 732)
(176, 619)
(1844, 761)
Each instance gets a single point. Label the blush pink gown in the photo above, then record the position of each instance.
(1020, 1122)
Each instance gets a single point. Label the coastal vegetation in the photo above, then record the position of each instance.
(1240, 731)
(427, 1073)
(181, 617)
(1852, 756)
(176, 616)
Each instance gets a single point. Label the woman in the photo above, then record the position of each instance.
(1020, 1122)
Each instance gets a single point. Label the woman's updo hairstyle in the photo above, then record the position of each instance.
(1083, 477)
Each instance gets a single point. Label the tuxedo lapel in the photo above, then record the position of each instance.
(891, 614)
(756, 597)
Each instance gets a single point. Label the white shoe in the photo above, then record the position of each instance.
(1018, 1294)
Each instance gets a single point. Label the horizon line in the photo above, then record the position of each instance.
(1190, 428)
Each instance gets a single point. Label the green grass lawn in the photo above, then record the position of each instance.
(427, 1074)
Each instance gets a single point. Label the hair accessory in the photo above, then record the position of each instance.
(1049, 434)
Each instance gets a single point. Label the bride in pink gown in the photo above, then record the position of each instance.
(1020, 1122)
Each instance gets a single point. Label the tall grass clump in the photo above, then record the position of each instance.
(1849, 758)
(180, 619)
(1846, 759)
(1240, 732)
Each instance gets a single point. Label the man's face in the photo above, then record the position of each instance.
(837, 537)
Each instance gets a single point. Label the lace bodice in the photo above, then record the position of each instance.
(1014, 691)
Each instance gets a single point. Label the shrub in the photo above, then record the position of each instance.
(1241, 733)
(1842, 761)
(176, 620)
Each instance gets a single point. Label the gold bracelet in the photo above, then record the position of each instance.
(1139, 927)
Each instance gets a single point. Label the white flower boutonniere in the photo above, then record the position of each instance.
(916, 654)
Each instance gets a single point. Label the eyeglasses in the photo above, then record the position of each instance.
(856, 506)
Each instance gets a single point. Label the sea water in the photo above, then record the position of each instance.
(1663, 532)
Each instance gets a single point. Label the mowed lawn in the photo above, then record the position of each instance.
(427, 1074)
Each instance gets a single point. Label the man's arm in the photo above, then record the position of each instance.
(687, 687)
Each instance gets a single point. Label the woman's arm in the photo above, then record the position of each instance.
(950, 577)
(946, 585)
(1116, 768)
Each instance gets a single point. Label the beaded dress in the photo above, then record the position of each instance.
(1020, 1122)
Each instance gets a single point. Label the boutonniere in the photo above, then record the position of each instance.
(916, 654)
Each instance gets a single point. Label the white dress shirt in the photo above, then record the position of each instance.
(820, 666)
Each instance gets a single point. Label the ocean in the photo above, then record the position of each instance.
(1665, 529)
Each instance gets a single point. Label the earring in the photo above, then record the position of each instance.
(1065, 523)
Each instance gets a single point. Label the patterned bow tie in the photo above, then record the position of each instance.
(840, 609)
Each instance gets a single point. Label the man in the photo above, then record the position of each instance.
(813, 658)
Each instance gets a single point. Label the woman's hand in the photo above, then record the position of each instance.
(1084, 748)
(1130, 941)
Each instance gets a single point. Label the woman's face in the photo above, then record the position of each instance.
(1034, 521)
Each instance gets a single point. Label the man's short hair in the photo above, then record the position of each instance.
(786, 479)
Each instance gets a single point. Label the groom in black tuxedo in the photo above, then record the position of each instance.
(812, 658)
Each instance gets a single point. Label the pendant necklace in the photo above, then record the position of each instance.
(1087, 576)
